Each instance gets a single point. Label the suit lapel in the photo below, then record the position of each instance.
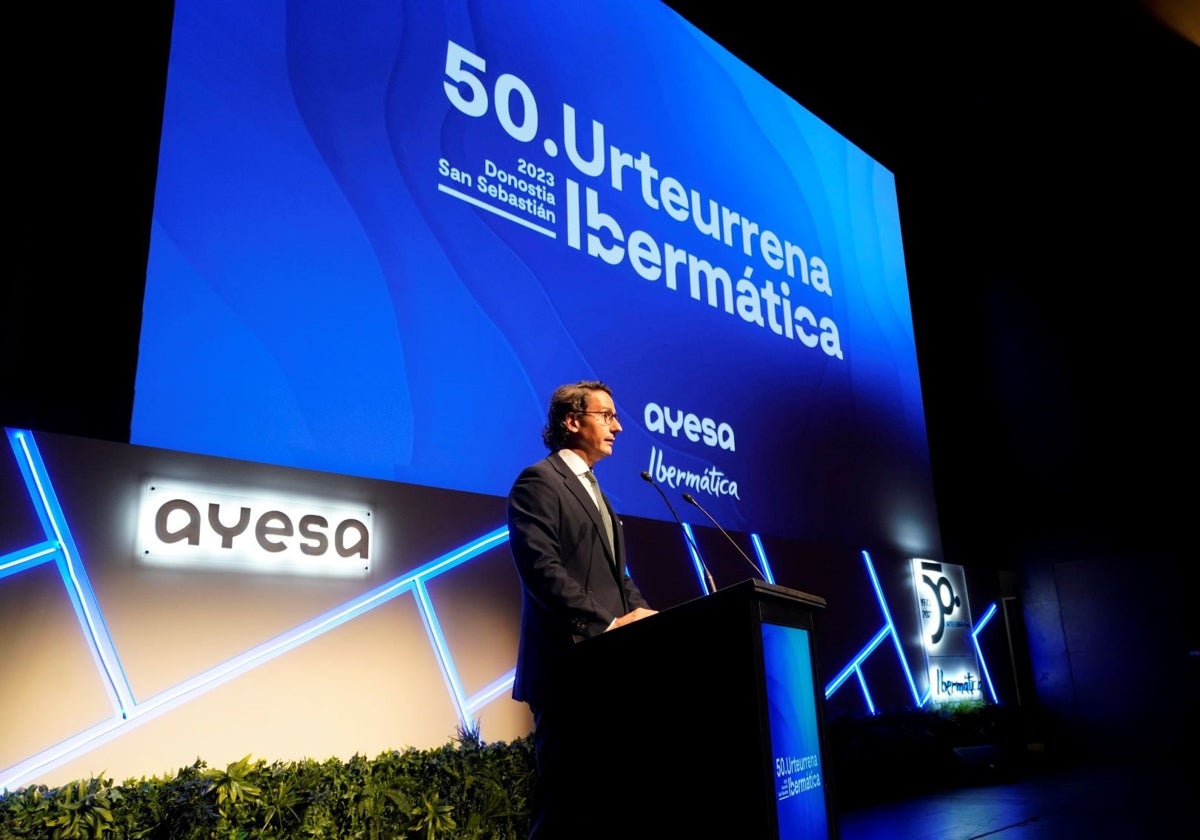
(575, 488)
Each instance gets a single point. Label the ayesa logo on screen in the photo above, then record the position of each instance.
(663, 420)
(228, 528)
(686, 426)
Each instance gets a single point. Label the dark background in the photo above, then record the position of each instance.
(1046, 165)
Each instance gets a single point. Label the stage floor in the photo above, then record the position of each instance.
(1089, 801)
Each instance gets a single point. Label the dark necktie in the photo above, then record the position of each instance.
(608, 525)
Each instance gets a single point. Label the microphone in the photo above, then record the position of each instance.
(712, 587)
(687, 497)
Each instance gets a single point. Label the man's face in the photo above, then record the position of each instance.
(592, 439)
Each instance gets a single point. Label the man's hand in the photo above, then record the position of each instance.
(630, 617)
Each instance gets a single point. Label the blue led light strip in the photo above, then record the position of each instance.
(61, 545)
(761, 554)
(434, 629)
(866, 690)
(888, 629)
(887, 617)
(501, 687)
(853, 666)
(975, 631)
(27, 558)
(697, 563)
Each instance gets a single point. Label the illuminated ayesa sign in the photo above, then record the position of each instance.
(228, 528)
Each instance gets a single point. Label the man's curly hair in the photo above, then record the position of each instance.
(567, 399)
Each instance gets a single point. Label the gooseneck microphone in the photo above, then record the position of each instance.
(687, 497)
(712, 587)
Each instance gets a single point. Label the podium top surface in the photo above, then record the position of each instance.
(775, 590)
(689, 617)
(762, 590)
(735, 597)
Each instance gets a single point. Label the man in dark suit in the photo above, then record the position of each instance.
(569, 551)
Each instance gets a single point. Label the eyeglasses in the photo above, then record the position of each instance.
(606, 417)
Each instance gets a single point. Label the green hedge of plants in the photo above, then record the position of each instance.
(472, 789)
(465, 789)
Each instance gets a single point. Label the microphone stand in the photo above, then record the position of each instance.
(687, 497)
(712, 586)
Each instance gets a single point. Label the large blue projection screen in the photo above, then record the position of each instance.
(384, 231)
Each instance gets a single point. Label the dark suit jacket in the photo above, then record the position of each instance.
(572, 585)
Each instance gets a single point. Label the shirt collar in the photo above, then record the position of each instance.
(576, 464)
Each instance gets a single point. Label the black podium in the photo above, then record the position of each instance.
(703, 721)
